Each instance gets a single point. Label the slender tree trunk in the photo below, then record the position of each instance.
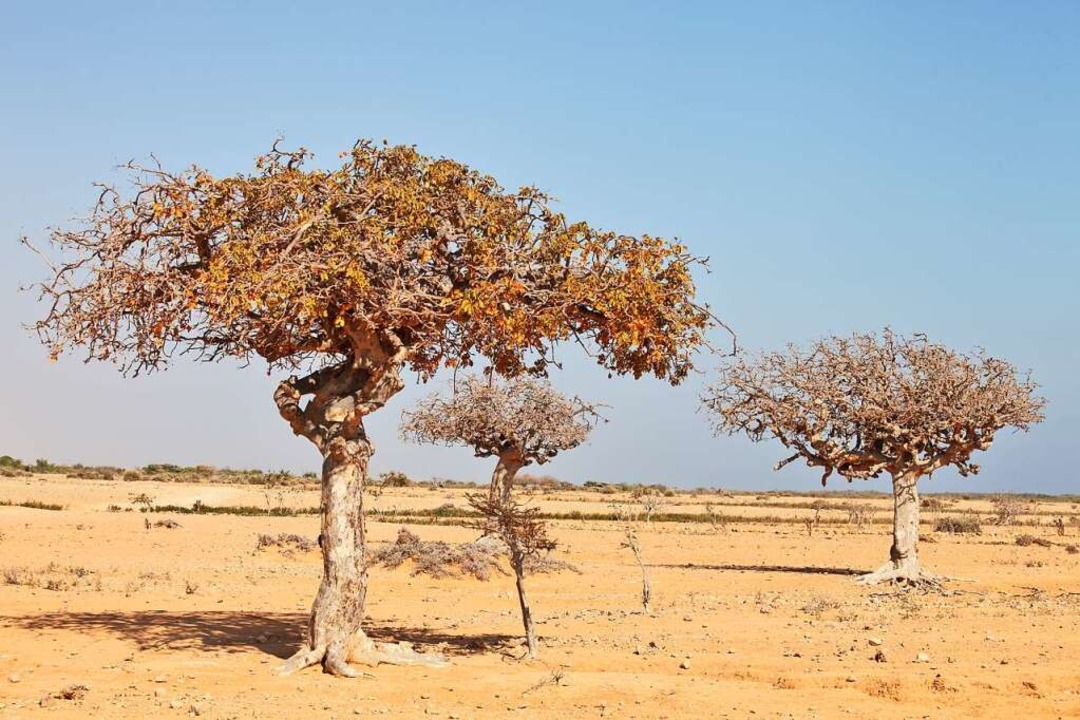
(502, 485)
(517, 560)
(903, 562)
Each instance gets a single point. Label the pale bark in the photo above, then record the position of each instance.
(517, 560)
(333, 421)
(903, 565)
(502, 480)
(502, 484)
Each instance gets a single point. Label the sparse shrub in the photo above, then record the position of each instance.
(190, 587)
(968, 523)
(167, 523)
(115, 508)
(631, 542)
(32, 504)
(143, 499)
(1027, 540)
(1059, 526)
(132, 476)
(717, 518)
(439, 559)
(932, 504)
(286, 542)
(395, 479)
(1072, 549)
(1009, 508)
(860, 514)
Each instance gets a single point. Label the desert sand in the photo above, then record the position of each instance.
(755, 619)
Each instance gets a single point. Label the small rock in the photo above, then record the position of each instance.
(851, 678)
(175, 704)
(879, 656)
(160, 679)
(14, 677)
(874, 641)
(765, 610)
(637, 650)
(159, 693)
(684, 665)
(922, 658)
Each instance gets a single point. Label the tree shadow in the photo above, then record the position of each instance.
(277, 634)
(800, 569)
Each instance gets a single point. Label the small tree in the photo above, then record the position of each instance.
(348, 277)
(520, 421)
(865, 405)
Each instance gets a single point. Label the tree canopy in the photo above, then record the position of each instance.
(523, 415)
(866, 404)
(420, 256)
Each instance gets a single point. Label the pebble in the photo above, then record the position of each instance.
(14, 678)
(684, 665)
(922, 658)
(851, 678)
(874, 641)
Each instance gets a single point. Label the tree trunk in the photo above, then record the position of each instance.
(517, 560)
(502, 480)
(903, 565)
(333, 421)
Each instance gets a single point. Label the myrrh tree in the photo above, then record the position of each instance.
(865, 405)
(348, 277)
(520, 421)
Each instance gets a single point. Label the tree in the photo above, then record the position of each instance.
(347, 278)
(519, 421)
(865, 405)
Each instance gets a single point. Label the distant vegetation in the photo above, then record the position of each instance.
(169, 472)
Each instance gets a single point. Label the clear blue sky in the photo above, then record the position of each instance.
(845, 165)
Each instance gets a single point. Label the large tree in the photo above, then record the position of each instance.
(520, 421)
(865, 405)
(348, 277)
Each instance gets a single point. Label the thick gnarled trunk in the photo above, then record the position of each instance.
(337, 614)
(333, 421)
(903, 565)
(502, 480)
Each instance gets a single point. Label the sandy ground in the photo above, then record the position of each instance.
(758, 620)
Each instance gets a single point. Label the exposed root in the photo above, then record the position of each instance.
(336, 660)
(302, 659)
(395, 654)
(909, 575)
(337, 665)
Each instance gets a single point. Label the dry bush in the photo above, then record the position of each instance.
(440, 559)
(287, 542)
(650, 500)
(1072, 549)
(717, 519)
(1007, 509)
(143, 499)
(968, 523)
(631, 542)
(54, 577)
(860, 514)
(1028, 540)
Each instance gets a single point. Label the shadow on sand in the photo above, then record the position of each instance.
(799, 569)
(274, 633)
